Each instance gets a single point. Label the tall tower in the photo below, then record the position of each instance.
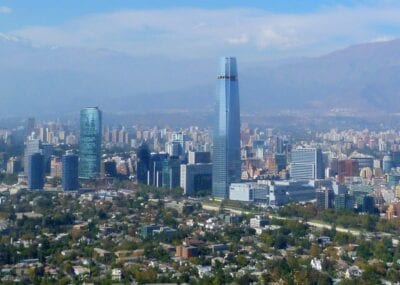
(69, 179)
(35, 171)
(90, 142)
(226, 140)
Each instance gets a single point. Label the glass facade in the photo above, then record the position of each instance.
(306, 164)
(36, 171)
(226, 140)
(143, 164)
(90, 142)
(70, 172)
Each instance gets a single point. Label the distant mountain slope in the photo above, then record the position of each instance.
(360, 77)
(42, 80)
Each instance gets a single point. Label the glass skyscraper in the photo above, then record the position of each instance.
(90, 142)
(35, 171)
(69, 179)
(226, 140)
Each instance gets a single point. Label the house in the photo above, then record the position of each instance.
(81, 271)
(353, 272)
(116, 274)
(316, 264)
(102, 253)
(203, 270)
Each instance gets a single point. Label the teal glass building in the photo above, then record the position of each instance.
(226, 137)
(90, 142)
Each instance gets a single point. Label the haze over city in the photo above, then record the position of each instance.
(135, 56)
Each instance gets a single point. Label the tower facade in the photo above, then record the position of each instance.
(35, 171)
(90, 142)
(143, 164)
(226, 139)
(306, 164)
(69, 179)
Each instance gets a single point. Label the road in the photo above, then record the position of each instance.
(311, 223)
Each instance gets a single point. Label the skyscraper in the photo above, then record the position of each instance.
(70, 172)
(32, 145)
(143, 164)
(226, 140)
(35, 171)
(90, 142)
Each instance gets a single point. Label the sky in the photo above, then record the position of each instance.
(203, 28)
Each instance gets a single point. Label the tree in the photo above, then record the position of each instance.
(315, 250)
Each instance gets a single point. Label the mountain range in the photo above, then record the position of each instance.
(360, 79)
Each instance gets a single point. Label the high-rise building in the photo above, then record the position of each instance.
(347, 168)
(387, 164)
(110, 168)
(226, 141)
(30, 126)
(32, 145)
(325, 198)
(47, 151)
(56, 167)
(344, 201)
(70, 172)
(306, 164)
(13, 165)
(154, 176)
(142, 164)
(199, 157)
(90, 142)
(35, 171)
(171, 173)
(196, 178)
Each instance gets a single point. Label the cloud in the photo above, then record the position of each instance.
(241, 39)
(251, 33)
(5, 10)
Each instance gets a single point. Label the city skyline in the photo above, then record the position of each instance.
(178, 175)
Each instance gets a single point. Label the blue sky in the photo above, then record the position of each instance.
(172, 28)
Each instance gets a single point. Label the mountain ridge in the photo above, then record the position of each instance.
(362, 78)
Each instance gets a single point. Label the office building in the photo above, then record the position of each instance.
(32, 146)
(306, 164)
(56, 167)
(154, 175)
(110, 168)
(363, 160)
(248, 192)
(173, 148)
(325, 198)
(387, 164)
(199, 157)
(226, 140)
(344, 201)
(70, 169)
(171, 173)
(35, 171)
(90, 142)
(47, 151)
(142, 163)
(347, 168)
(196, 178)
(368, 205)
(13, 165)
